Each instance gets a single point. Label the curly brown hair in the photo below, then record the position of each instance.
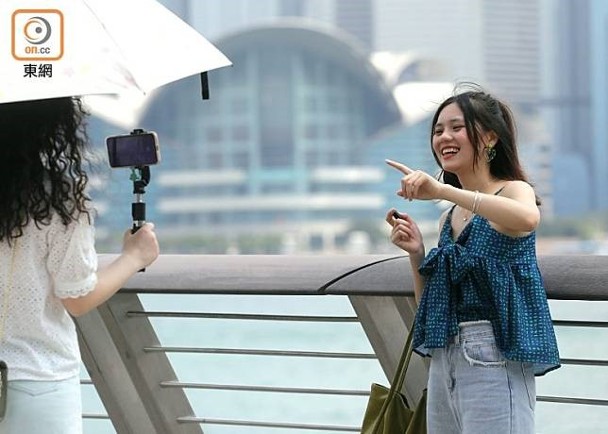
(42, 153)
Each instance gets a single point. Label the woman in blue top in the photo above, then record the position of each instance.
(483, 314)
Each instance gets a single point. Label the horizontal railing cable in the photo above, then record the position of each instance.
(575, 323)
(252, 352)
(97, 416)
(568, 400)
(584, 362)
(312, 427)
(273, 389)
(243, 316)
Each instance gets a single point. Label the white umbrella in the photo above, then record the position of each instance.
(53, 48)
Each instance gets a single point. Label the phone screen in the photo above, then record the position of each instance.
(133, 150)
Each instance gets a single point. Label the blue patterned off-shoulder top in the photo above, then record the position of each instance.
(487, 275)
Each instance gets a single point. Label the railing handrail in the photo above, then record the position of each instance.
(126, 360)
(567, 277)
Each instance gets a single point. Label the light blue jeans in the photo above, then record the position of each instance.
(472, 389)
(43, 407)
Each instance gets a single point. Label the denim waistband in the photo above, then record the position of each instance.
(470, 329)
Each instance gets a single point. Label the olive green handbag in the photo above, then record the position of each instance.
(387, 409)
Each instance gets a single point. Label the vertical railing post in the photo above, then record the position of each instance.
(127, 378)
(387, 322)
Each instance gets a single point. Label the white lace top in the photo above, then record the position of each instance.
(37, 336)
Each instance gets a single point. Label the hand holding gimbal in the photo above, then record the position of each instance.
(138, 151)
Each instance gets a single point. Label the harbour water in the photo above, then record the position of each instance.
(572, 381)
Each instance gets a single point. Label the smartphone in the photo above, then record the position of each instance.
(131, 150)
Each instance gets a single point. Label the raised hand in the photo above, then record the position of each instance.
(405, 233)
(416, 184)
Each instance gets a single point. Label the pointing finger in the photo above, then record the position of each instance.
(399, 166)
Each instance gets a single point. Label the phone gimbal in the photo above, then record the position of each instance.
(140, 175)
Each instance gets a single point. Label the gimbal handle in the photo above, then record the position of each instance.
(140, 175)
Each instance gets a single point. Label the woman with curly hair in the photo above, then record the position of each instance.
(48, 263)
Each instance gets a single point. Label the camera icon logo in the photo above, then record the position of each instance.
(37, 34)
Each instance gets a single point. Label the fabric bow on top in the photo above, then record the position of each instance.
(451, 260)
(445, 267)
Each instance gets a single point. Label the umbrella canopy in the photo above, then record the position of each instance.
(53, 48)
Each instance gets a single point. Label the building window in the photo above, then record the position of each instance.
(276, 108)
(239, 106)
(333, 132)
(214, 134)
(216, 160)
(309, 70)
(241, 160)
(312, 158)
(240, 133)
(277, 188)
(333, 103)
(311, 131)
(334, 158)
(312, 104)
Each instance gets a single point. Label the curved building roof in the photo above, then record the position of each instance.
(323, 41)
(319, 41)
(296, 88)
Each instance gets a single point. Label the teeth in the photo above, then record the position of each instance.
(449, 151)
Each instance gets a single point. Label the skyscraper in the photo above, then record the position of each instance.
(575, 96)
(357, 18)
(492, 42)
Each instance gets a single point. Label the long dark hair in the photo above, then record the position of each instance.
(483, 113)
(42, 151)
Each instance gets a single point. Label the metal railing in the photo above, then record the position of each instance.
(138, 385)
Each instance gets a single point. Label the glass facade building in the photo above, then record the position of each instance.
(291, 145)
(280, 146)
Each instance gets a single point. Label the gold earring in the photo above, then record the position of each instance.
(490, 152)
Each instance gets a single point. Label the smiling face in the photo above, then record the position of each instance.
(451, 143)
(463, 125)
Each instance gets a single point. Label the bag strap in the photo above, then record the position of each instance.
(399, 377)
(404, 362)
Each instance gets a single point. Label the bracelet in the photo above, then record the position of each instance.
(476, 202)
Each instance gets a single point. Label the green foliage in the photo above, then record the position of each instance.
(591, 227)
(372, 227)
(219, 244)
